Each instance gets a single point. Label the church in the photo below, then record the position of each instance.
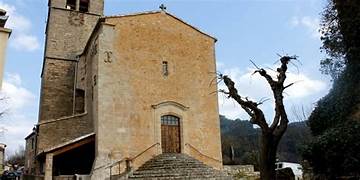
(121, 92)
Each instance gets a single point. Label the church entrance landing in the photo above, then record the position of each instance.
(170, 134)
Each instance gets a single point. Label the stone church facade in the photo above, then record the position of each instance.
(118, 91)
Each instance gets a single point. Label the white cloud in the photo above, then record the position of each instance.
(13, 79)
(21, 38)
(16, 122)
(17, 96)
(304, 86)
(256, 88)
(311, 24)
(17, 127)
(24, 41)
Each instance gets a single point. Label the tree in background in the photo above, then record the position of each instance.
(270, 135)
(335, 150)
(340, 29)
(3, 111)
(244, 138)
(333, 43)
(18, 158)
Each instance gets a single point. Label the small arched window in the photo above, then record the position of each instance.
(71, 4)
(165, 68)
(170, 120)
(84, 5)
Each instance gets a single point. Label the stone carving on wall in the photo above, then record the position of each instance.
(94, 50)
(76, 19)
(94, 80)
(108, 58)
(94, 47)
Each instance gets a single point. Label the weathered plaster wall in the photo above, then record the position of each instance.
(4, 36)
(130, 81)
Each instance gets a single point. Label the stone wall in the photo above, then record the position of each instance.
(32, 177)
(4, 36)
(245, 172)
(63, 130)
(30, 152)
(57, 89)
(97, 6)
(67, 34)
(2, 158)
(234, 169)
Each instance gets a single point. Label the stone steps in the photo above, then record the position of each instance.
(177, 166)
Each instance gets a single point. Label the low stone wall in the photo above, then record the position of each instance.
(64, 177)
(32, 177)
(242, 172)
(82, 177)
(239, 168)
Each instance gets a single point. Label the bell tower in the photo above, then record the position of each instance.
(69, 26)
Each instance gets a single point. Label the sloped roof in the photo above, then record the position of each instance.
(165, 12)
(67, 143)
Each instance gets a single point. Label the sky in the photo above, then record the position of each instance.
(257, 30)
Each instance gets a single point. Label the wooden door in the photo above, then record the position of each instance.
(170, 134)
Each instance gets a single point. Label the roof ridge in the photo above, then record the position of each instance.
(67, 143)
(165, 12)
(132, 14)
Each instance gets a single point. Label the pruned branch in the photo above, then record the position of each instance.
(280, 120)
(264, 74)
(257, 116)
(263, 100)
(288, 85)
(257, 67)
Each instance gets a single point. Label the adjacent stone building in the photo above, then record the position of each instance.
(4, 36)
(2, 158)
(118, 91)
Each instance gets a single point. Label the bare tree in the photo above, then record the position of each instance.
(270, 135)
(18, 158)
(3, 111)
(300, 113)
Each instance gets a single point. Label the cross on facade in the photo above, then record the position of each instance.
(162, 7)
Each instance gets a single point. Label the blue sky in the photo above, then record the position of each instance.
(245, 29)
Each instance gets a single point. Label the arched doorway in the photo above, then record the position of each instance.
(170, 134)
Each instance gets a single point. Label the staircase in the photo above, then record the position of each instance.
(177, 166)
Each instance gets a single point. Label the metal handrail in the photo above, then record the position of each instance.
(138, 155)
(202, 153)
(117, 162)
(126, 159)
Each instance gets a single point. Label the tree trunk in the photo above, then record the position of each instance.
(270, 136)
(268, 147)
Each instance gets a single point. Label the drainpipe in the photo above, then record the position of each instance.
(75, 83)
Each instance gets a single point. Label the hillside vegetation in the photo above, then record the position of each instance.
(244, 138)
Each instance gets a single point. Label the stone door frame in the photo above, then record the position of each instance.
(175, 109)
